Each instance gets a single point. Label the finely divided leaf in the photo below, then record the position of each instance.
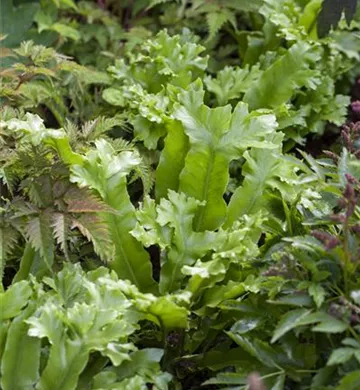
(39, 234)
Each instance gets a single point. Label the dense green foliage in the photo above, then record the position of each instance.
(162, 222)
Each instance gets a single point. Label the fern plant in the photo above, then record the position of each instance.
(206, 247)
(42, 80)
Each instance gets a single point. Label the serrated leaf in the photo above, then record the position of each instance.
(340, 356)
(82, 201)
(331, 325)
(318, 293)
(8, 239)
(289, 321)
(33, 131)
(60, 225)
(259, 349)
(95, 229)
(39, 234)
(301, 317)
(217, 19)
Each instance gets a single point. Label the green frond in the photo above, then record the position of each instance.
(96, 128)
(39, 233)
(61, 224)
(81, 200)
(121, 145)
(95, 229)
(217, 19)
(9, 178)
(145, 172)
(8, 239)
(72, 130)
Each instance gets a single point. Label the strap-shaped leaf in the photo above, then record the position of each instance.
(105, 171)
(216, 137)
(260, 167)
(170, 225)
(14, 299)
(26, 263)
(264, 170)
(67, 360)
(172, 160)
(281, 79)
(21, 359)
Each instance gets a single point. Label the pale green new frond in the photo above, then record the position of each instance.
(263, 170)
(217, 19)
(170, 225)
(284, 77)
(216, 136)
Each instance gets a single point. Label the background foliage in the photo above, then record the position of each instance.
(180, 186)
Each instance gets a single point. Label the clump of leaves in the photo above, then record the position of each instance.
(41, 79)
(229, 262)
(81, 325)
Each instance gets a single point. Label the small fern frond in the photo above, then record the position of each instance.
(81, 200)
(95, 229)
(145, 172)
(38, 231)
(8, 239)
(61, 224)
(72, 130)
(9, 178)
(96, 128)
(39, 190)
(121, 145)
(216, 20)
